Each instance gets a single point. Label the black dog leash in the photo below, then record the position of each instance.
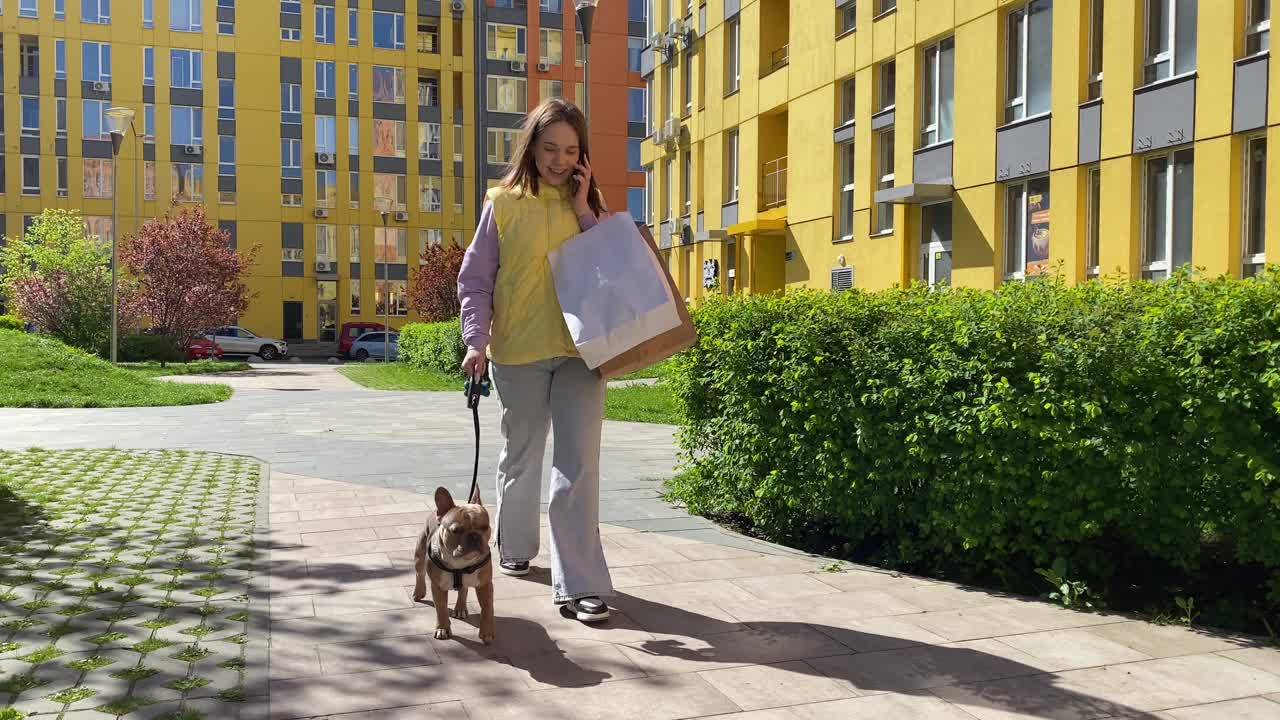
(475, 389)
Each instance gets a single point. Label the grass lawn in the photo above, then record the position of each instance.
(399, 376)
(42, 372)
(196, 367)
(657, 370)
(124, 577)
(639, 403)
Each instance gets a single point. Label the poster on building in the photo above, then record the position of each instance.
(1037, 232)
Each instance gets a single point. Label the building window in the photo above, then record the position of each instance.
(389, 138)
(226, 99)
(388, 30)
(884, 170)
(391, 187)
(290, 104)
(148, 121)
(353, 246)
(326, 188)
(686, 76)
(396, 288)
(506, 94)
(327, 134)
(636, 105)
(1258, 26)
(227, 155)
(29, 58)
(1026, 246)
(633, 155)
(94, 11)
(94, 119)
(733, 56)
(668, 90)
(353, 136)
(887, 87)
(60, 59)
(326, 244)
(27, 8)
(148, 14)
(635, 204)
(550, 89)
(388, 84)
(429, 92)
(353, 193)
(96, 179)
(354, 293)
(884, 6)
(187, 125)
(187, 181)
(291, 158)
(60, 116)
(59, 9)
(185, 69)
(1255, 205)
(291, 7)
(551, 6)
(148, 66)
(326, 79)
(938, 97)
(227, 28)
(730, 166)
(30, 115)
(666, 189)
(935, 244)
(353, 27)
(1167, 213)
(325, 24)
(292, 254)
(1171, 39)
(847, 172)
(635, 51)
(149, 180)
(847, 18)
(580, 50)
(1093, 228)
(63, 181)
(184, 15)
(550, 46)
(389, 245)
(96, 62)
(457, 143)
(459, 195)
(428, 141)
(428, 36)
(429, 238)
(848, 100)
(291, 200)
(429, 194)
(638, 10)
(501, 145)
(353, 81)
(505, 42)
(1096, 19)
(686, 180)
(579, 92)
(1030, 63)
(99, 229)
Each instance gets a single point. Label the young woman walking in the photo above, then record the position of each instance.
(510, 314)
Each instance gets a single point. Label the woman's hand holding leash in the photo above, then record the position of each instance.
(475, 363)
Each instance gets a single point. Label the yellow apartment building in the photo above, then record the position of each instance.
(294, 122)
(874, 143)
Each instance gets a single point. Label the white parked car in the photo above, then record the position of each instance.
(235, 340)
(373, 345)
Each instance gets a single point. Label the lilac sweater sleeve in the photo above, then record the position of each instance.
(479, 274)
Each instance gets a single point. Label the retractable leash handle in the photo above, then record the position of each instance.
(475, 389)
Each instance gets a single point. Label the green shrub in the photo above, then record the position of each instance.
(144, 348)
(1108, 425)
(12, 322)
(435, 346)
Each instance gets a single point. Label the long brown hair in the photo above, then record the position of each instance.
(523, 173)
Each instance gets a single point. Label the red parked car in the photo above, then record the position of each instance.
(351, 331)
(201, 349)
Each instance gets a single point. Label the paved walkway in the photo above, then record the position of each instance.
(707, 624)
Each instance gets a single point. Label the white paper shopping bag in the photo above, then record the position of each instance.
(612, 291)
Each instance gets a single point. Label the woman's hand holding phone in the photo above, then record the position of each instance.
(580, 184)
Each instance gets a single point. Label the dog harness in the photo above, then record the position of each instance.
(433, 551)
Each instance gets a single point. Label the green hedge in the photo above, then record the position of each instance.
(434, 346)
(144, 348)
(12, 322)
(1108, 425)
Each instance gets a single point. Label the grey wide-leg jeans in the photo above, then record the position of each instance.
(564, 395)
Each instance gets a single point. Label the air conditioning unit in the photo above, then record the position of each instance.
(458, 6)
(659, 40)
(842, 279)
(518, 66)
(402, 216)
(101, 86)
(194, 149)
(323, 266)
(657, 135)
(543, 67)
(324, 158)
(671, 134)
(320, 212)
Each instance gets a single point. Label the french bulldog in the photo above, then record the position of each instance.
(453, 551)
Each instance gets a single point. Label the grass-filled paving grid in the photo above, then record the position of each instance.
(123, 580)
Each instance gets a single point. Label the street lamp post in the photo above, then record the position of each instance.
(386, 284)
(120, 118)
(586, 10)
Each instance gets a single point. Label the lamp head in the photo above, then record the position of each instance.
(586, 10)
(119, 118)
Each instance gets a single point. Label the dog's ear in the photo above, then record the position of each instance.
(475, 496)
(444, 501)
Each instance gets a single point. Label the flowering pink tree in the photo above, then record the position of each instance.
(191, 279)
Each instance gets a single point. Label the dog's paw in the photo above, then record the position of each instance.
(460, 612)
(443, 633)
(487, 636)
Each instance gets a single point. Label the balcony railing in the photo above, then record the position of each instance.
(773, 183)
(779, 58)
(428, 42)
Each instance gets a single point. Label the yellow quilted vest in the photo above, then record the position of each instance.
(527, 322)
